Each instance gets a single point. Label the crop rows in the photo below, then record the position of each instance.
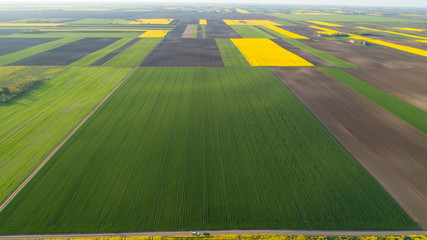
(201, 148)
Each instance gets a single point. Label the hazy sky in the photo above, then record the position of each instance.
(385, 3)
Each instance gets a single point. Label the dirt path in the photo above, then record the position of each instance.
(391, 150)
(4, 204)
(219, 232)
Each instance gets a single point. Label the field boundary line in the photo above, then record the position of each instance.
(220, 232)
(48, 157)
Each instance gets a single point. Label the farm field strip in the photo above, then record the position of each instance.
(241, 10)
(392, 32)
(264, 52)
(152, 21)
(410, 29)
(325, 23)
(16, 56)
(405, 111)
(100, 54)
(66, 54)
(250, 22)
(133, 55)
(320, 54)
(249, 31)
(30, 24)
(94, 30)
(202, 22)
(194, 33)
(342, 18)
(154, 34)
(195, 158)
(285, 32)
(37, 122)
(326, 31)
(389, 148)
(188, 32)
(230, 54)
(10, 45)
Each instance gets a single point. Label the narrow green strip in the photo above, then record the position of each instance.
(203, 31)
(13, 57)
(231, 56)
(405, 111)
(320, 54)
(194, 34)
(250, 32)
(91, 58)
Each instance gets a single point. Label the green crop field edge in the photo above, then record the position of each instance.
(405, 111)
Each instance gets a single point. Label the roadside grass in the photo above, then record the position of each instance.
(230, 54)
(201, 148)
(15, 56)
(133, 56)
(250, 32)
(34, 123)
(405, 111)
(91, 58)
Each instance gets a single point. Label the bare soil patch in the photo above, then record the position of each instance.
(66, 54)
(10, 45)
(185, 52)
(368, 56)
(391, 150)
(410, 85)
(177, 31)
(220, 30)
(188, 32)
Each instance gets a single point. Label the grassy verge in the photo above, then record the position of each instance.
(407, 112)
(230, 54)
(201, 148)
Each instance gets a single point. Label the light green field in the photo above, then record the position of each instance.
(230, 54)
(250, 32)
(133, 56)
(37, 121)
(201, 148)
(194, 33)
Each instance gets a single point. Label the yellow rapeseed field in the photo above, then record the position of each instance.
(326, 31)
(410, 29)
(325, 24)
(402, 34)
(30, 24)
(264, 52)
(154, 34)
(203, 22)
(250, 22)
(261, 237)
(152, 21)
(285, 32)
(424, 41)
(241, 10)
(393, 45)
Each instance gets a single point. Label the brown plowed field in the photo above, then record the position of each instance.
(220, 30)
(177, 31)
(10, 45)
(410, 85)
(390, 149)
(114, 53)
(307, 56)
(188, 32)
(185, 52)
(368, 56)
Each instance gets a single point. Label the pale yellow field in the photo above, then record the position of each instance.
(154, 34)
(393, 45)
(424, 41)
(250, 22)
(264, 52)
(325, 24)
(285, 32)
(326, 31)
(203, 22)
(152, 21)
(30, 24)
(402, 34)
(241, 10)
(410, 29)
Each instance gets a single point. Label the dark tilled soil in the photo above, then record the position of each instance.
(10, 45)
(307, 56)
(220, 31)
(66, 54)
(114, 53)
(185, 52)
(410, 85)
(391, 150)
(177, 31)
(368, 56)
